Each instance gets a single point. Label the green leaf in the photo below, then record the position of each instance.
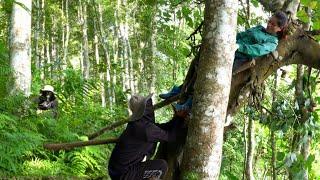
(280, 156)
(309, 161)
(304, 2)
(302, 15)
(313, 4)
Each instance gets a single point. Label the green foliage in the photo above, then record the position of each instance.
(191, 176)
(5, 70)
(23, 135)
(18, 142)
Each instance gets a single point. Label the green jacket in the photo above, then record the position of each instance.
(256, 42)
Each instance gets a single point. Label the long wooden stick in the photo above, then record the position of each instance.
(69, 146)
(72, 145)
(125, 121)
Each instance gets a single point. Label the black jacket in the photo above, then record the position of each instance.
(139, 140)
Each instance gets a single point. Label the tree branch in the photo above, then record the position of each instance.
(313, 33)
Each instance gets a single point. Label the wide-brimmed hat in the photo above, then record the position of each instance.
(137, 105)
(48, 88)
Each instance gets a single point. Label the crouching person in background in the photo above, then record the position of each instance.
(130, 159)
(47, 100)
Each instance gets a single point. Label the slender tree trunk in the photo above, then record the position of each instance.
(43, 43)
(98, 63)
(47, 71)
(54, 49)
(67, 35)
(116, 52)
(304, 115)
(273, 137)
(85, 47)
(245, 145)
(37, 34)
(103, 37)
(202, 156)
(152, 43)
(250, 151)
(20, 46)
(174, 61)
(273, 157)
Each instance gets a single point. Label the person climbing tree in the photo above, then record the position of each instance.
(252, 43)
(130, 159)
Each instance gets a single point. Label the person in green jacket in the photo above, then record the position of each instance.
(258, 41)
(254, 42)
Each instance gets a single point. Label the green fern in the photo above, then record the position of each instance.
(16, 143)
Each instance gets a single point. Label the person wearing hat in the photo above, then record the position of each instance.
(130, 159)
(47, 100)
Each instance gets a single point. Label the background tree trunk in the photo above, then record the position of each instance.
(85, 47)
(67, 35)
(250, 150)
(203, 151)
(20, 46)
(273, 136)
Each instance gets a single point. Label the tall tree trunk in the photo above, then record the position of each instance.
(43, 42)
(20, 46)
(250, 151)
(99, 65)
(273, 156)
(202, 156)
(85, 47)
(54, 66)
(273, 137)
(103, 37)
(67, 35)
(245, 145)
(37, 34)
(152, 42)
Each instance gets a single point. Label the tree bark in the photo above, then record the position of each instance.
(67, 35)
(250, 151)
(20, 46)
(103, 37)
(85, 47)
(43, 43)
(99, 64)
(37, 34)
(273, 136)
(203, 151)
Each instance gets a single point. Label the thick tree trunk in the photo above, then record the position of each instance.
(203, 151)
(20, 46)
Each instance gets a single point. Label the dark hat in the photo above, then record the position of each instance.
(137, 105)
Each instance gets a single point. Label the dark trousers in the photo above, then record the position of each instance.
(151, 169)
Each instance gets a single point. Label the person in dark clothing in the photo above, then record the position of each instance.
(130, 159)
(47, 100)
